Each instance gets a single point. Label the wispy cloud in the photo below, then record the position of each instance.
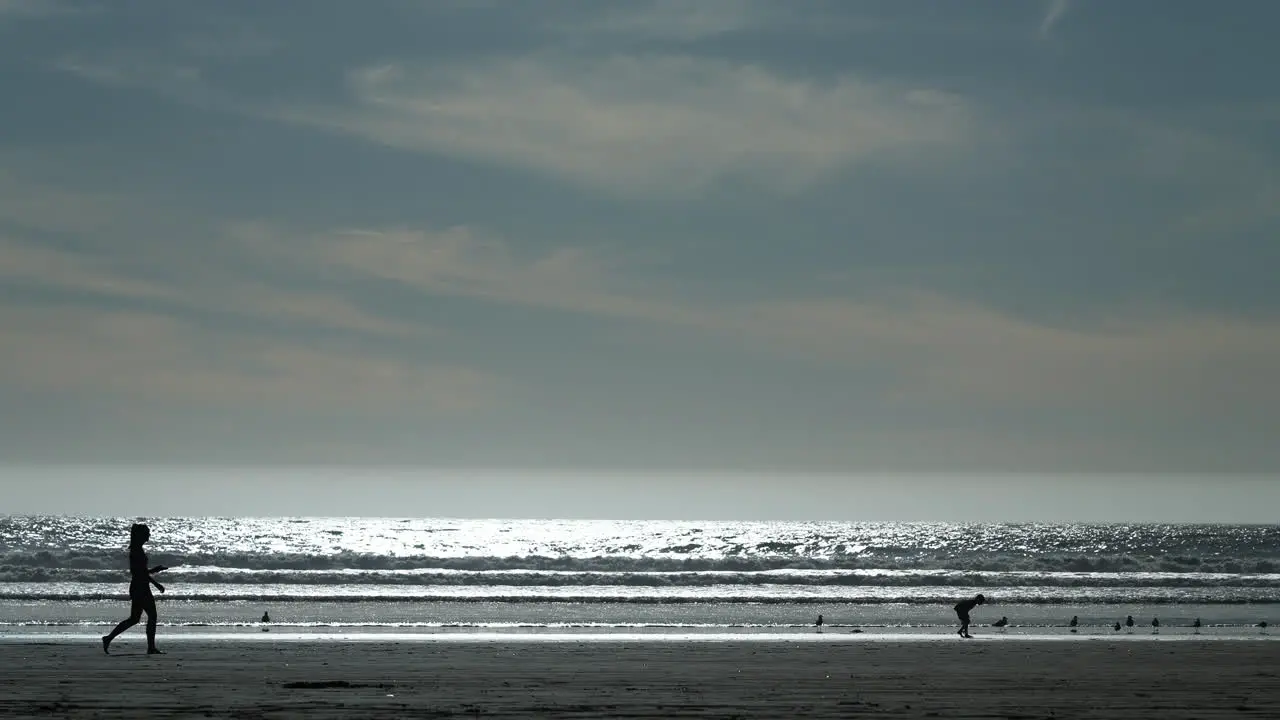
(150, 356)
(53, 208)
(950, 352)
(1055, 10)
(172, 78)
(924, 348)
(652, 122)
(123, 251)
(115, 277)
(41, 8)
(609, 25)
(681, 20)
(31, 263)
(654, 125)
(464, 262)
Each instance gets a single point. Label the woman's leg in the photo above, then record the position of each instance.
(135, 614)
(150, 608)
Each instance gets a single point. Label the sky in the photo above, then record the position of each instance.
(818, 239)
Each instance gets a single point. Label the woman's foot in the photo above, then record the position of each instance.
(106, 644)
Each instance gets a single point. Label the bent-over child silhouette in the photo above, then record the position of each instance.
(962, 611)
(140, 595)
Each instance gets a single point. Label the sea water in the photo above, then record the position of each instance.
(61, 575)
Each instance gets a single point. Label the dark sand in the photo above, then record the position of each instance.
(984, 678)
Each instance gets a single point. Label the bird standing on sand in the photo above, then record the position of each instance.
(819, 623)
(1002, 622)
(1263, 625)
(1075, 620)
(1128, 622)
(1196, 624)
(1116, 627)
(1155, 624)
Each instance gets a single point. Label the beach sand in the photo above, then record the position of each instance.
(983, 678)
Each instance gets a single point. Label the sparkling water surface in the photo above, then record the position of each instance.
(533, 576)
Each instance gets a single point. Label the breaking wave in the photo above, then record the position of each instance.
(14, 563)
(931, 594)
(879, 577)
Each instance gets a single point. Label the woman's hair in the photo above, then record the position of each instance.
(139, 534)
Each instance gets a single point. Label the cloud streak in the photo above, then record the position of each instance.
(123, 252)
(1055, 10)
(925, 348)
(154, 357)
(39, 8)
(465, 262)
(678, 20)
(653, 125)
(950, 352)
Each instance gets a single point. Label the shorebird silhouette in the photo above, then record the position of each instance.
(1263, 625)
(1116, 627)
(1128, 622)
(819, 623)
(1075, 620)
(1155, 625)
(1002, 622)
(1196, 625)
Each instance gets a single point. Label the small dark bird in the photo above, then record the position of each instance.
(1196, 624)
(266, 617)
(1128, 622)
(819, 623)
(1116, 627)
(1075, 620)
(1002, 622)
(1263, 624)
(1155, 625)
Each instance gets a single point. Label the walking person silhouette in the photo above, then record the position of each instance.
(140, 596)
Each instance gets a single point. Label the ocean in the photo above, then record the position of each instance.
(68, 575)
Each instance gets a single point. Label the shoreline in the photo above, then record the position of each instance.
(467, 635)
(1006, 678)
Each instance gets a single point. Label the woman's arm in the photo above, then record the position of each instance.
(156, 569)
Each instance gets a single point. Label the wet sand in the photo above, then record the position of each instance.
(984, 678)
